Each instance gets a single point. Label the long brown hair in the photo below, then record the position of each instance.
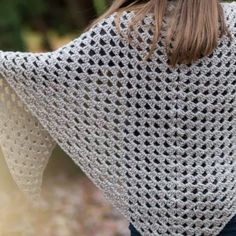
(195, 26)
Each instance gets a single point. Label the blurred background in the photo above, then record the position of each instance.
(44, 24)
(72, 204)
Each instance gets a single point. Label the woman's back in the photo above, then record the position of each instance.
(158, 141)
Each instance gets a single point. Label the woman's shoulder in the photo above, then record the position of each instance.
(230, 14)
(230, 7)
(231, 3)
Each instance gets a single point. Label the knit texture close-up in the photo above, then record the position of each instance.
(158, 141)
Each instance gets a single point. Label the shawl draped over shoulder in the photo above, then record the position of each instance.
(158, 141)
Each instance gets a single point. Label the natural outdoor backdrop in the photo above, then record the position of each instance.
(34, 24)
(73, 205)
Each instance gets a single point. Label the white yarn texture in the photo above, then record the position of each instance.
(158, 141)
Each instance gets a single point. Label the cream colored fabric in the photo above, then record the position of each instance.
(25, 144)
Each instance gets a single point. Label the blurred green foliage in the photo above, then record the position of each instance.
(61, 16)
(10, 26)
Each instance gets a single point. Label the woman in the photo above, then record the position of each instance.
(144, 102)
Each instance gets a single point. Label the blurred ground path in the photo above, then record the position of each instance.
(71, 205)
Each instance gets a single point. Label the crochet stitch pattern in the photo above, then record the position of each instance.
(159, 142)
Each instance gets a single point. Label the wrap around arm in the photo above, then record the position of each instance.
(39, 95)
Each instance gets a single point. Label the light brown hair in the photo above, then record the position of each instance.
(193, 30)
